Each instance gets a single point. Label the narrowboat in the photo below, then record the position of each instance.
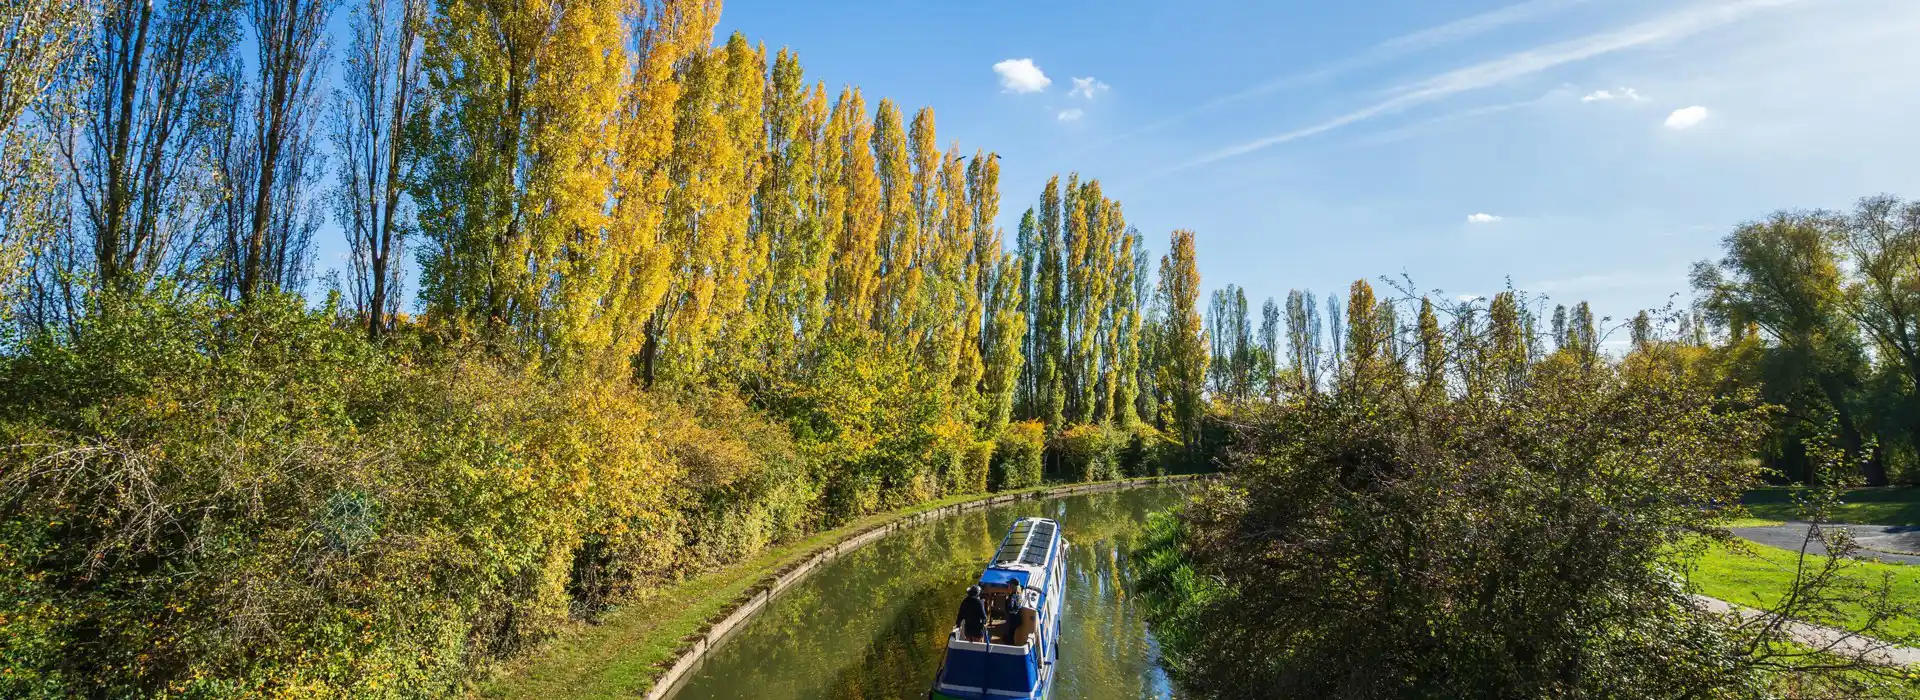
(1016, 656)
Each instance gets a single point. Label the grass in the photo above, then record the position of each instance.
(1758, 576)
(1865, 506)
(626, 652)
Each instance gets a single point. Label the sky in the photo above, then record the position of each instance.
(1577, 149)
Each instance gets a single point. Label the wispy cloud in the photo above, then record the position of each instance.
(1407, 44)
(1686, 117)
(1020, 75)
(1498, 71)
(1087, 87)
(1483, 218)
(1071, 114)
(1628, 94)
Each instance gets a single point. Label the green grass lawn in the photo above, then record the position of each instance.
(1757, 576)
(1877, 506)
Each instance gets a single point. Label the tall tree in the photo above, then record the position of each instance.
(639, 268)
(271, 159)
(1507, 355)
(1882, 239)
(42, 38)
(1270, 349)
(899, 278)
(1050, 346)
(856, 250)
(1364, 368)
(1304, 340)
(382, 87)
(1783, 276)
(1433, 353)
(140, 147)
(717, 143)
(1183, 345)
(1560, 340)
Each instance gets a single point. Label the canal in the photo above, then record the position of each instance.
(870, 625)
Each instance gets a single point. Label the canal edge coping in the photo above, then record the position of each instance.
(744, 608)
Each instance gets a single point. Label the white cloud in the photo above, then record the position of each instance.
(1686, 117)
(1483, 218)
(1087, 87)
(1020, 75)
(1469, 298)
(1628, 94)
(1512, 67)
(1073, 114)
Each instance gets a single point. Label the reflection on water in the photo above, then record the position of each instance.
(871, 625)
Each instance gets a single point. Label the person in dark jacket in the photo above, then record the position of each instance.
(973, 616)
(1013, 610)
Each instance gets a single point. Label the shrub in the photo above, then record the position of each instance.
(1522, 546)
(222, 501)
(1147, 452)
(1019, 456)
(1090, 452)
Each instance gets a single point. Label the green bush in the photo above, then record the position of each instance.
(1090, 452)
(216, 501)
(978, 463)
(1019, 456)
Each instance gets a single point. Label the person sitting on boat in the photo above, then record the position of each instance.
(973, 616)
(1013, 610)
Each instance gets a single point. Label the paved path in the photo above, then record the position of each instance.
(1893, 544)
(1827, 639)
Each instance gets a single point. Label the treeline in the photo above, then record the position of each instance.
(1817, 311)
(675, 303)
(1454, 511)
(1821, 312)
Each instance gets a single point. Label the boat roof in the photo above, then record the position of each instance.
(1025, 553)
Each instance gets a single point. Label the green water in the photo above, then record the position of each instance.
(871, 624)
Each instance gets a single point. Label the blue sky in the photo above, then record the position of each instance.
(1608, 143)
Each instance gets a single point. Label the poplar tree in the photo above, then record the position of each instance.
(1507, 349)
(1051, 343)
(1183, 345)
(856, 250)
(1582, 335)
(140, 141)
(1364, 339)
(1642, 330)
(1433, 352)
(1560, 339)
(382, 87)
(670, 35)
(1269, 339)
(898, 278)
(1304, 341)
(272, 161)
(717, 143)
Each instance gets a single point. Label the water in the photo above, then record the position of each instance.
(872, 624)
